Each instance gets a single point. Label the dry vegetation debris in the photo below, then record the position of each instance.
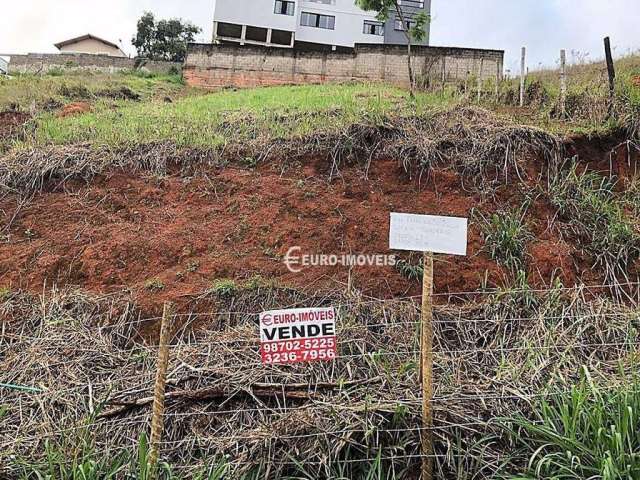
(472, 140)
(93, 372)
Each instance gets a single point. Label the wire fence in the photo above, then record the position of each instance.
(99, 380)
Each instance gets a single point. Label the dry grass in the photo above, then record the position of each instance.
(492, 358)
(587, 97)
(480, 145)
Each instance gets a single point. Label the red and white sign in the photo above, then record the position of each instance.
(298, 335)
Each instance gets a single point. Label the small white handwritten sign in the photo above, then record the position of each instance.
(428, 233)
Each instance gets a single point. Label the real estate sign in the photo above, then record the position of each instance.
(428, 233)
(298, 335)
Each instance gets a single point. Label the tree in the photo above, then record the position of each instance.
(414, 31)
(164, 39)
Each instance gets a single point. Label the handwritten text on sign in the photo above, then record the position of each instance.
(298, 335)
(428, 233)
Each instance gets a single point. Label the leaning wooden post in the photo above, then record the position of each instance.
(563, 83)
(426, 366)
(157, 420)
(611, 71)
(522, 75)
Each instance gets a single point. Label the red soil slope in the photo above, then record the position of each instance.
(123, 230)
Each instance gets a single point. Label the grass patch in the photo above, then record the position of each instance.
(224, 287)
(504, 351)
(590, 205)
(587, 97)
(584, 433)
(506, 235)
(41, 93)
(213, 119)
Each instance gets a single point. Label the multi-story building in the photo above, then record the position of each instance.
(310, 23)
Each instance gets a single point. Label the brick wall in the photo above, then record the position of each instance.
(212, 66)
(42, 63)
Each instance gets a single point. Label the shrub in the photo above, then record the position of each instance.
(5, 292)
(224, 287)
(154, 284)
(55, 72)
(410, 270)
(75, 92)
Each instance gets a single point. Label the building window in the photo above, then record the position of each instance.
(317, 20)
(409, 24)
(284, 7)
(373, 28)
(412, 3)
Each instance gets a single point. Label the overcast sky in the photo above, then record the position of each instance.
(544, 26)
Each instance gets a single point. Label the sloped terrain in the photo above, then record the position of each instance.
(96, 236)
(170, 235)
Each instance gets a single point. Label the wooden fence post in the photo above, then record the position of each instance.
(480, 80)
(522, 74)
(157, 419)
(611, 71)
(426, 366)
(497, 81)
(563, 83)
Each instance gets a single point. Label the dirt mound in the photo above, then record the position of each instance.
(636, 80)
(11, 122)
(121, 93)
(171, 237)
(75, 108)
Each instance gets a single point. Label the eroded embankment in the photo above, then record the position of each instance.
(163, 224)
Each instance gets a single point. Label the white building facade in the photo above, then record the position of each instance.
(285, 23)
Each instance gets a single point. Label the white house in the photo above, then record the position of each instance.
(312, 23)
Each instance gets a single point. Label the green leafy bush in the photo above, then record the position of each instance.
(224, 287)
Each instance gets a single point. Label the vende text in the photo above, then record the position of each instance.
(298, 335)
